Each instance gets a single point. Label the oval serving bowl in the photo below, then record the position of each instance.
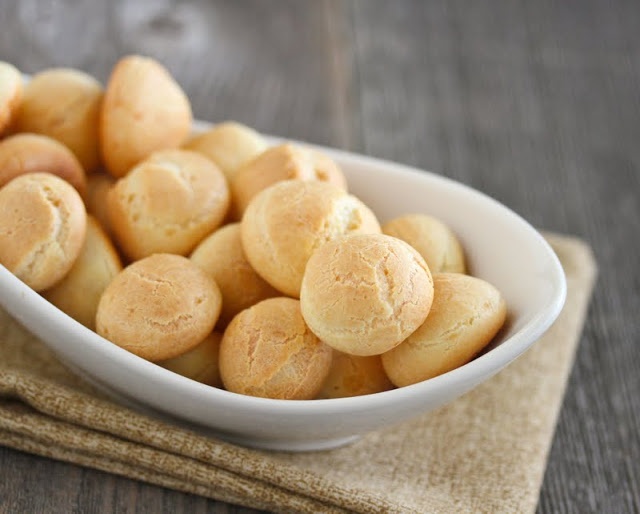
(501, 248)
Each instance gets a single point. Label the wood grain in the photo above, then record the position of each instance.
(534, 103)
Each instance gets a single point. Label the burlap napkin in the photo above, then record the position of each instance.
(485, 452)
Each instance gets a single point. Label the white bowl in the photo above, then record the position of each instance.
(501, 247)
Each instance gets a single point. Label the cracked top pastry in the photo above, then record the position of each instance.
(159, 307)
(167, 204)
(364, 294)
(288, 221)
(268, 351)
(42, 228)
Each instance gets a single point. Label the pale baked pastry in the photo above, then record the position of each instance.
(200, 363)
(79, 292)
(42, 228)
(352, 375)
(229, 145)
(466, 314)
(11, 90)
(98, 186)
(64, 104)
(144, 110)
(159, 307)
(167, 204)
(283, 162)
(33, 153)
(288, 221)
(221, 255)
(433, 239)
(268, 351)
(364, 294)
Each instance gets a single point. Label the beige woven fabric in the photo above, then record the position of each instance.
(485, 452)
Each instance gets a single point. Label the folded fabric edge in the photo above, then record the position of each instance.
(24, 429)
(88, 413)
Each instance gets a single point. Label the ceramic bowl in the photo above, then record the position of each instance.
(501, 247)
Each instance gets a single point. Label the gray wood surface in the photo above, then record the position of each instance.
(535, 103)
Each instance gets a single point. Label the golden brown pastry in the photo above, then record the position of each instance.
(10, 94)
(167, 204)
(466, 314)
(42, 228)
(221, 255)
(282, 162)
(144, 110)
(288, 221)
(200, 363)
(159, 307)
(98, 186)
(351, 375)
(364, 294)
(79, 292)
(268, 351)
(33, 153)
(64, 104)
(432, 238)
(229, 145)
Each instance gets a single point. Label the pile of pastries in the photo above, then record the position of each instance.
(236, 263)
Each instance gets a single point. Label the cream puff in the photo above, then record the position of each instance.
(168, 203)
(11, 90)
(33, 153)
(144, 110)
(159, 307)
(79, 292)
(229, 145)
(283, 162)
(268, 351)
(221, 255)
(433, 239)
(42, 228)
(64, 104)
(466, 314)
(363, 294)
(288, 221)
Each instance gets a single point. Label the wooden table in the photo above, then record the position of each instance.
(535, 103)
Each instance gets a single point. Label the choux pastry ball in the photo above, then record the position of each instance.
(144, 110)
(79, 292)
(352, 375)
(42, 228)
(159, 307)
(287, 222)
(33, 153)
(98, 186)
(466, 314)
(221, 255)
(363, 294)
(283, 162)
(167, 204)
(229, 145)
(268, 351)
(64, 104)
(11, 91)
(200, 363)
(434, 240)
